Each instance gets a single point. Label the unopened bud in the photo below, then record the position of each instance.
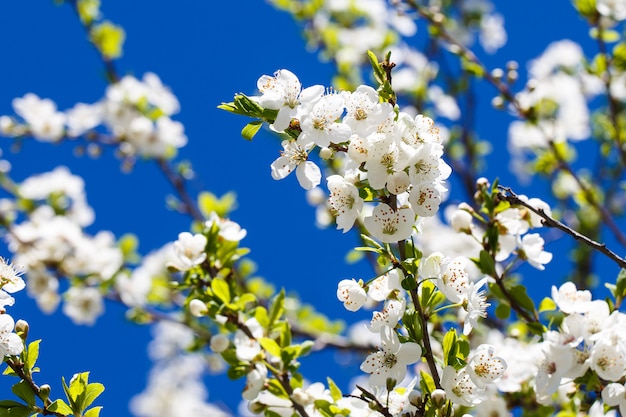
(326, 153)
(21, 328)
(438, 397)
(398, 182)
(497, 73)
(461, 221)
(44, 392)
(256, 407)
(219, 343)
(497, 102)
(512, 65)
(197, 308)
(415, 398)
(391, 384)
(481, 183)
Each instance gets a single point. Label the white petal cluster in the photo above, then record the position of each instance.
(52, 234)
(558, 90)
(590, 338)
(400, 154)
(136, 112)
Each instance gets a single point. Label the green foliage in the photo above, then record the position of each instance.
(108, 38)
(81, 393)
(222, 206)
(10, 408)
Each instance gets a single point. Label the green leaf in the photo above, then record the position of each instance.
(260, 314)
(619, 56)
(23, 390)
(108, 38)
(77, 386)
(277, 307)
(93, 412)
(473, 68)
(92, 392)
(236, 372)
(586, 8)
(18, 410)
(486, 264)
(335, 392)
(59, 406)
(449, 347)
(220, 289)
(409, 283)
(10, 403)
(503, 311)
(276, 388)
(9, 371)
(427, 383)
(379, 74)
(620, 285)
(270, 346)
(547, 304)
(251, 129)
(33, 354)
(608, 35)
(518, 292)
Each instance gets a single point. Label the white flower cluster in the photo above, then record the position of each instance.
(558, 90)
(590, 337)
(175, 387)
(10, 282)
(51, 241)
(513, 227)
(136, 112)
(392, 153)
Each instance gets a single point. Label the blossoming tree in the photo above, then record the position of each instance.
(388, 154)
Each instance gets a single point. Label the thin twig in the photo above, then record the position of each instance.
(512, 198)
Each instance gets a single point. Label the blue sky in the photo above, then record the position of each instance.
(205, 51)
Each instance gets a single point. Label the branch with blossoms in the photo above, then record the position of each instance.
(430, 351)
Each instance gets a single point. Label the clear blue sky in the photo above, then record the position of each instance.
(205, 51)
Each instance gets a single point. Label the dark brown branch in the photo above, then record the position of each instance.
(18, 368)
(512, 198)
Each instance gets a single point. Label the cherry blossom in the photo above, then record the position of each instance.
(391, 360)
(282, 92)
(10, 343)
(189, 250)
(389, 225)
(294, 156)
(351, 294)
(320, 126)
(344, 200)
(484, 367)
(460, 388)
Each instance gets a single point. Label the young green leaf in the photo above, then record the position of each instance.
(59, 406)
(23, 390)
(251, 129)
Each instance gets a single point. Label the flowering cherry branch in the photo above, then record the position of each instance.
(549, 221)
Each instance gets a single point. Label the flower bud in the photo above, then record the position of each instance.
(461, 221)
(497, 102)
(21, 328)
(398, 182)
(256, 407)
(481, 183)
(219, 343)
(44, 392)
(326, 153)
(438, 397)
(497, 73)
(415, 398)
(198, 308)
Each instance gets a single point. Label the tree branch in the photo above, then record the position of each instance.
(512, 198)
